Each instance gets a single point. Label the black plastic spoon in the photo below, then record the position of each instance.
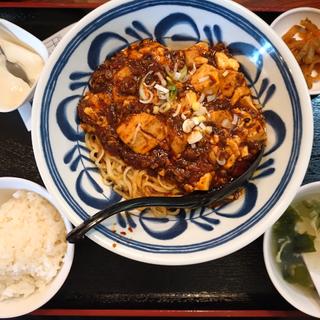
(196, 199)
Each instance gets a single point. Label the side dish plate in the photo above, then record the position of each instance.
(292, 17)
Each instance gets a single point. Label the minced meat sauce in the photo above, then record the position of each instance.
(186, 115)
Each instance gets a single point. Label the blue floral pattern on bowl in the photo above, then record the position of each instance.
(70, 174)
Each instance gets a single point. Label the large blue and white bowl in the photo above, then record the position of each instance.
(199, 235)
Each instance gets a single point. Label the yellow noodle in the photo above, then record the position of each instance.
(127, 181)
(152, 123)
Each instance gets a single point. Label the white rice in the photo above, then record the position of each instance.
(32, 244)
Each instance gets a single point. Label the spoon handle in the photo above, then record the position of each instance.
(173, 202)
(311, 259)
(191, 201)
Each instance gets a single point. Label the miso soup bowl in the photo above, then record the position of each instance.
(302, 299)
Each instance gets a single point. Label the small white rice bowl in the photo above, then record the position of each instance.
(35, 258)
(32, 244)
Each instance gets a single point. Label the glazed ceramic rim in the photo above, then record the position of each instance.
(291, 11)
(288, 13)
(269, 259)
(244, 238)
(53, 287)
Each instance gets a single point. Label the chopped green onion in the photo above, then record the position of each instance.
(173, 91)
